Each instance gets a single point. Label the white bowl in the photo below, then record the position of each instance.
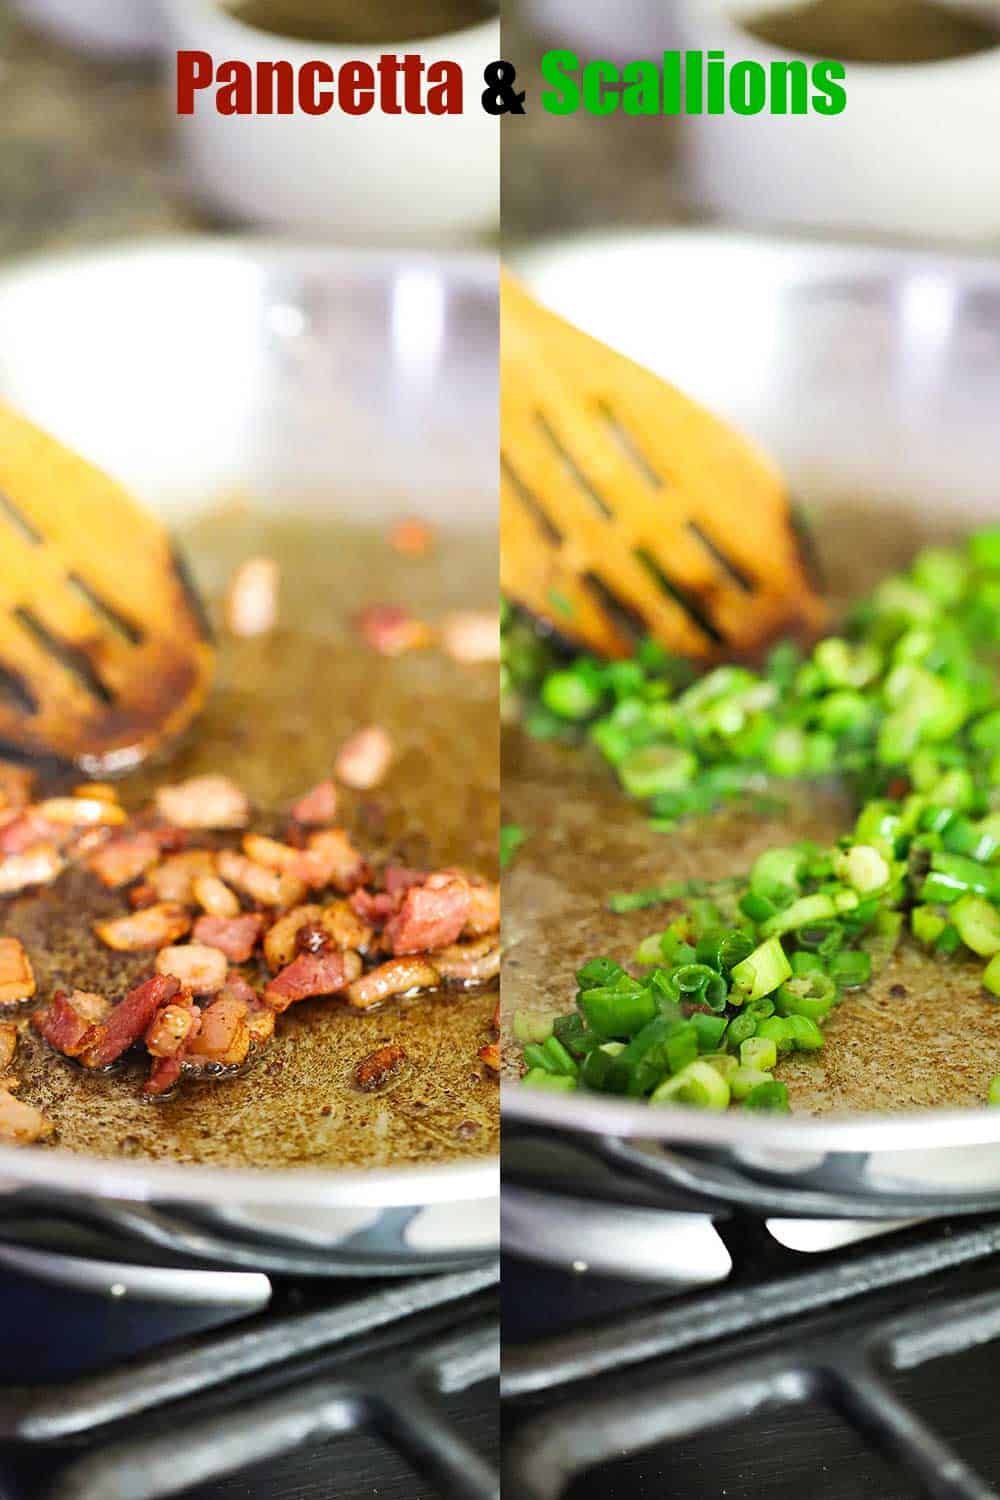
(375, 178)
(113, 28)
(914, 152)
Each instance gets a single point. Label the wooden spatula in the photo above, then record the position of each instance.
(628, 510)
(103, 648)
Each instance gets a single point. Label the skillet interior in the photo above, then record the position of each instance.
(868, 374)
(321, 383)
(281, 706)
(936, 1045)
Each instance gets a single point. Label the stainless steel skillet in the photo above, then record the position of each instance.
(874, 375)
(314, 378)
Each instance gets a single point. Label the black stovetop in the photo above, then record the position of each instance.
(773, 1384)
(398, 1365)
(769, 1382)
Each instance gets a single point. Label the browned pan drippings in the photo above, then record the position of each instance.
(923, 1034)
(281, 707)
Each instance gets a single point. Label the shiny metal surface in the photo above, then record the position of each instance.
(201, 368)
(306, 376)
(269, 1238)
(193, 1287)
(680, 1250)
(817, 1236)
(867, 371)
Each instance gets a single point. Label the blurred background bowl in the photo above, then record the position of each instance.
(914, 153)
(375, 178)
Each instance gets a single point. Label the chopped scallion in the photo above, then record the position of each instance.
(699, 1084)
(978, 925)
(766, 968)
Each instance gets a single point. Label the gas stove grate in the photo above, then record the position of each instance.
(398, 1405)
(384, 1363)
(844, 1373)
(547, 1363)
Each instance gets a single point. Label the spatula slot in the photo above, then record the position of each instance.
(691, 606)
(18, 520)
(734, 572)
(16, 692)
(71, 657)
(628, 621)
(192, 597)
(631, 449)
(576, 473)
(124, 627)
(553, 533)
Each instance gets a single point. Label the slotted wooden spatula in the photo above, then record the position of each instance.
(628, 510)
(104, 651)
